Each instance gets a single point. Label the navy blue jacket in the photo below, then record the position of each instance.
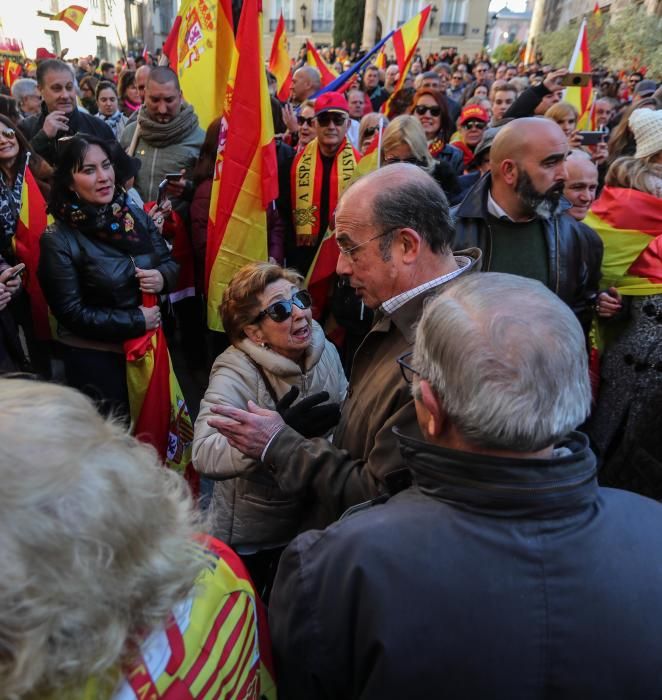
(489, 578)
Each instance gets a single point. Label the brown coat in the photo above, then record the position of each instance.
(364, 449)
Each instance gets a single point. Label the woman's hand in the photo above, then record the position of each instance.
(152, 316)
(151, 281)
(599, 153)
(290, 118)
(13, 284)
(159, 213)
(575, 140)
(5, 296)
(608, 303)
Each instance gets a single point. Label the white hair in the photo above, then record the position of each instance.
(23, 87)
(508, 360)
(96, 541)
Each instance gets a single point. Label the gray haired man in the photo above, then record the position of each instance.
(26, 93)
(505, 571)
(394, 232)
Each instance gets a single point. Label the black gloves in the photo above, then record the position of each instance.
(308, 417)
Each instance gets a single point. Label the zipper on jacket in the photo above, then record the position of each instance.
(304, 384)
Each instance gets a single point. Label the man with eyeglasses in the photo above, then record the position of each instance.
(517, 216)
(395, 236)
(320, 174)
(456, 87)
(505, 571)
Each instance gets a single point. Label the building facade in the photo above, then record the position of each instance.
(560, 13)
(507, 26)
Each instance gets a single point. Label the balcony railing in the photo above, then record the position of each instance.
(322, 26)
(452, 28)
(289, 25)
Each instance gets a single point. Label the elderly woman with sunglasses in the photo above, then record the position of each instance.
(429, 107)
(277, 350)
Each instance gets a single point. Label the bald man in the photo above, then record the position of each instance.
(517, 216)
(581, 183)
(394, 233)
(305, 83)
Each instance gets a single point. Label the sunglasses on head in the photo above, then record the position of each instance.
(326, 118)
(474, 125)
(422, 109)
(305, 120)
(280, 311)
(8, 133)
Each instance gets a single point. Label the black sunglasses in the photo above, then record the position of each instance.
(474, 125)
(407, 370)
(411, 159)
(326, 118)
(422, 109)
(280, 311)
(370, 131)
(305, 120)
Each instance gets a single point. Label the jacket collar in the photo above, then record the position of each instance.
(564, 482)
(474, 205)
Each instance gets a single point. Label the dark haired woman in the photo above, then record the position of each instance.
(109, 111)
(128, 93)
(96, 261)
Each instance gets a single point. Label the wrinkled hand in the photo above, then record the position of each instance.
(308, 417)
(552, 81)
(609, 303)
(176, 188)
(5, 297)
(13, 285)
(54, 122)
(150, 280)
(247, 431)
(599, 153)
(152, 316)
(290, 118)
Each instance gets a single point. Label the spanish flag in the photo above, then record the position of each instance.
(630, 225)
(380, 62)
(11, 72)
(279, 61)
(405, 40)
(72, 15)
(580, 97)
(200, 49)
(247, 182)
(159, 414)
(316, 61)
(32, 222)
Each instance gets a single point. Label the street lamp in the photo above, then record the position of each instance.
(303, 9)
(433, 13)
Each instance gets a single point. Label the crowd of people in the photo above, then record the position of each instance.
(436, 476)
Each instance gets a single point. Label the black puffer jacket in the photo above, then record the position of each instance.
(91, 287)
(79, 123)
(574, 250)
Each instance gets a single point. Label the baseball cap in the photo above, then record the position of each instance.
(474, 112)
(43, 54)
(331, 102)
(645, 88)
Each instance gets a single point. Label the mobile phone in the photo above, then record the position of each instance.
(162, 192)
(591, 138)
(576, 79)
(20, 269)
(173, 176)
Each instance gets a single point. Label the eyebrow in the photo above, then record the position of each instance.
(554, 158)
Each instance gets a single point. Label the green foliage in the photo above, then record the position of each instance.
(507, 53)
(628, 39)
(348, 21)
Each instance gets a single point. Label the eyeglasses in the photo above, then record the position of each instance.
(8, 133)
(474, 125)
(411, 159)
(370, 131)
(408, 372)
(326, 118)
(348, 251)
(280, 311)
(456, 77)
(422, 109)
(305, 120)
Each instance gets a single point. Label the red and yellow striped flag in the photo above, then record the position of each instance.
(313, 59)
(248, 181)
(200, 49)
(279, 61)
(32, 222)
(158, 409)
(11, 72)
(405, 40)
(72, 15)
(630, 225)
(380, 61)
(580, 97)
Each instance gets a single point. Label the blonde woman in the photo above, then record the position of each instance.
(369, 130)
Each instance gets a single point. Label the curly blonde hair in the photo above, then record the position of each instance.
(96, 541)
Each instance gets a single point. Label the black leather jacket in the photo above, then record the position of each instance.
(91, 287)
(574, 249)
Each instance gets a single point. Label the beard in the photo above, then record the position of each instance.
(542, 204)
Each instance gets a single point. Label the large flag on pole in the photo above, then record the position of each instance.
(32, 221)
(72, 15)
(405, 41)
(279, 62)
(248, 181)
(200, 49)
(313, 59)
(580, 62)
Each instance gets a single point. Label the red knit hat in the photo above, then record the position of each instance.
(331, 102)
(474, 112)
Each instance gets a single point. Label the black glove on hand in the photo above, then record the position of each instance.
(308, 417)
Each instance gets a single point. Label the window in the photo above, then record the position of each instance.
(408, 8)
(454, 11)
(99, 12)
(53, 41)
(284, 6)
(102, 48)
(322, 16)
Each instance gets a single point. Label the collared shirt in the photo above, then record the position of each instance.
(497, 211)
(394, 303)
